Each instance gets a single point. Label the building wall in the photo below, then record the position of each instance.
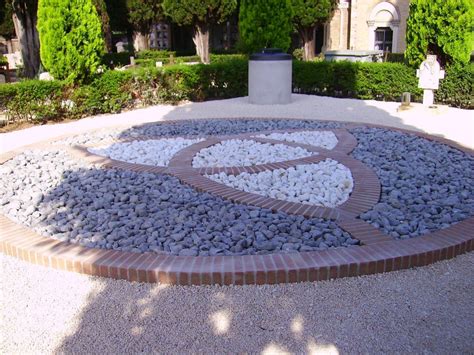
(359, 18)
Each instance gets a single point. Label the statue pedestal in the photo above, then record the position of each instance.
(428, 97)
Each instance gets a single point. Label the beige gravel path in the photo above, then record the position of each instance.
(425, 310)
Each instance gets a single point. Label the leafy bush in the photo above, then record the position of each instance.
(166, 60)
(3, 60)
(381, 81)
(457, 89)
(114, 90)
(265, 24)
(154, 54)
(32, 100)
(298, 53)
(116, 59)
(443, 28)
(108, 93)
(70, 34)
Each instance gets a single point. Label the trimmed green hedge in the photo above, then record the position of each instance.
(114, 91)
(380, 81)
(457, 89)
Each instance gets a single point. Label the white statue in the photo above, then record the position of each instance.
(429, 75)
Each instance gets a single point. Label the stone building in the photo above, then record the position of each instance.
(363, 25)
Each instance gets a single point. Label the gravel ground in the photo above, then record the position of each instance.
(424, 310)
(426, 186)
(140, 212)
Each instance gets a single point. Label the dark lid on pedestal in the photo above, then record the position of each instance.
(270, 54)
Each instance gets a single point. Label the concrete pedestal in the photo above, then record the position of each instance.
(270, 78)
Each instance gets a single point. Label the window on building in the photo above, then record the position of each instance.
(383, 39)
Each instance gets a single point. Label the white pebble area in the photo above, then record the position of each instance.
(237, 152)
(327, 183)
(323, 139)
(156, 152)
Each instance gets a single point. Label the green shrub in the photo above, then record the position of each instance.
(166, 60)
(114, 90)
(154, 54)
(3, 60)
(108, 93)
(298, 54)
(70, 34)
(381, 81)
(112, 60)
(457, 89)
(32, 100)
(265, 24)
(443, 28)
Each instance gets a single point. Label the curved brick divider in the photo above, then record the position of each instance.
(379, 253)
(24, 244)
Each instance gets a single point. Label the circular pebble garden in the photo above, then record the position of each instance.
(282, 172)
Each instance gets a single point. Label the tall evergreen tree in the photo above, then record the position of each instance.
(105, 21)
(25, 17)
(141, 16)
(265, 24)
(200, 14)
(7, 29)
(71, 38)
(307, 15)
(441, 27)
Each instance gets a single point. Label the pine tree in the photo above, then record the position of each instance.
(200, 14)
(71, 39)
(7, 29)
(307, 15)
(440, 27)
(101, 8)
(25, 19)
(265, 24)
(141, 16)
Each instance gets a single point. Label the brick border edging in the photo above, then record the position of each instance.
(382, 256)
(22, 243)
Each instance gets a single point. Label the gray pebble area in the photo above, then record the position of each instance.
(142, 212)
(196, 128)
(426, 186)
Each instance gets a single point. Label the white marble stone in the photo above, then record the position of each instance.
(327, 183)
(157, 152)
(236, 152)
(323, 139)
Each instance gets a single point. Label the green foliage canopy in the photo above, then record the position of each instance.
(441, 27)
(311, 13)
(191, 12)
(7, 29)
(265, 24)
(71, 38)
(143, 13)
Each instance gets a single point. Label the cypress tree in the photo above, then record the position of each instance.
(307, 15)
(71, 38)
(265, 24)
(441, 27)
(200, 14)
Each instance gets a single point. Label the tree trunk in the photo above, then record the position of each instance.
(25, 19)
(108, 39)
(141, 41)
(201, 41)
(307, 34)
